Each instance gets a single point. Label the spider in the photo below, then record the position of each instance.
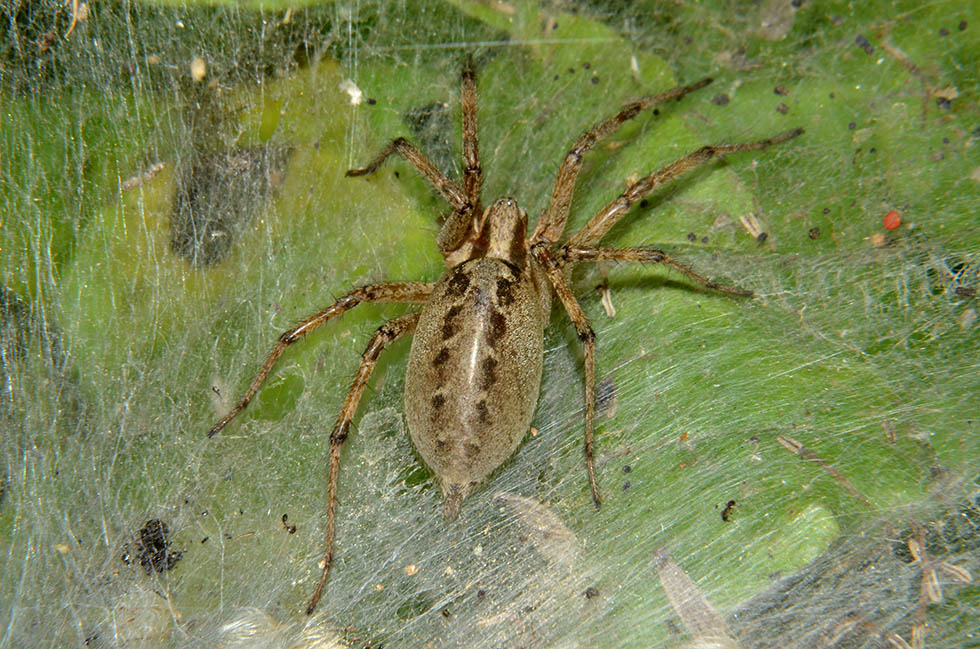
(474, 369)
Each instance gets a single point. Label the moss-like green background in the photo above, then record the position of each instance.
(118, 354)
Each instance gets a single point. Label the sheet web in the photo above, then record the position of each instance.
(794, 470)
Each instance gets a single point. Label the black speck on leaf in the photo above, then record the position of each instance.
(864, 44)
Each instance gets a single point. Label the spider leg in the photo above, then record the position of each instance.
(552, 223)
(390, 292)
(456, 236)
(608, 216)
(465, 201)
(449, 190)
(553, 270)
(386, 334)
(472, 172)
(572, 254)
(74, 17)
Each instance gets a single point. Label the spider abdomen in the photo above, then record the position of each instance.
(474, 372)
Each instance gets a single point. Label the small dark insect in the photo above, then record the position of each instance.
(289, 528)
(814, 233)
(727, 511)
(591, 592)
(152, 548)
(864, 44)
(474, 370)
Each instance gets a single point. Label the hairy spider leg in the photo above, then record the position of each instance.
(472, 172)
(449, 190)
(552, 222)
(552, 269)
(608, 216)
(465, 202)
(387, 292)
(572, 254)
(385, 335)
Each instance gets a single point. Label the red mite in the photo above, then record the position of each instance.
(893, 220)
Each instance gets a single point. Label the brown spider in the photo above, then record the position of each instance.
(474, 370)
